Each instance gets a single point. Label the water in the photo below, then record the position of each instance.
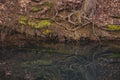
(82, 61)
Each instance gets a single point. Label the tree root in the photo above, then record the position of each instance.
(94, 32)
(82, 21)
(69, 19)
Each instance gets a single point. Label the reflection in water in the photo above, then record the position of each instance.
(61, 62)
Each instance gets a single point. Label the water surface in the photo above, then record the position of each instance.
(82, 61)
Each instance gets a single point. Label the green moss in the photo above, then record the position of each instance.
(47, 31)
(22, 22)
(113, 27)
(31, 23)
(23, 19)
(42, 24)
(114, 55)
(36, 9)
(37, 24)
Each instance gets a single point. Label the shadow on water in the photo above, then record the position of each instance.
(83, 61)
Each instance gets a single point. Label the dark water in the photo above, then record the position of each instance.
(82, 61)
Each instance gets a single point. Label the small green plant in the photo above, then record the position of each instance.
(36, 9)
(113, 27)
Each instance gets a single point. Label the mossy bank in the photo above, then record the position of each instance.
(55, 21)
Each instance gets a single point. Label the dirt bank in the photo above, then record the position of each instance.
(44, 20)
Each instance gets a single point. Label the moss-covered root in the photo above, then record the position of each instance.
(39, 24)
(113, 27)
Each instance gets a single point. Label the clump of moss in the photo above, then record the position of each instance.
(114, 55)
(43, 23)
(39, 24)
(31, 23)
(23, 20)
(36, 9)
(113, 27)
(46, 32)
